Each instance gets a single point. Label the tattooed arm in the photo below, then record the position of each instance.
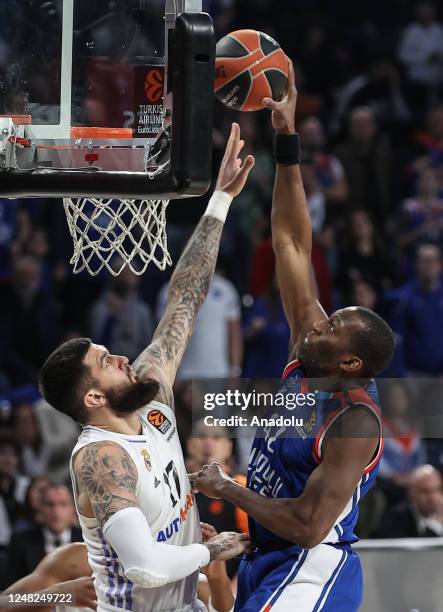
(105, 483)
(190, 282)
(105, 480)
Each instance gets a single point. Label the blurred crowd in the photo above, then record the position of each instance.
(370, 118)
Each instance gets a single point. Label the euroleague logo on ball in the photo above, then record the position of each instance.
(154, 85)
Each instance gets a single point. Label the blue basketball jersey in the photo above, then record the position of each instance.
(282, 459)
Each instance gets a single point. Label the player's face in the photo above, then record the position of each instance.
(327, 344)
(124, 392)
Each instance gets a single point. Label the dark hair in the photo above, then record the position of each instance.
(374, 345)
(38, 434)
(29, 511)
(8, 438)
(65, 377)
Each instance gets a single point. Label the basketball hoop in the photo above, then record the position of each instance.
(134, 230)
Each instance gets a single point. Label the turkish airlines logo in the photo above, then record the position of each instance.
(154, 85)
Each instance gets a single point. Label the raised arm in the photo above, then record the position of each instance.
(190, 282)
(291, 223)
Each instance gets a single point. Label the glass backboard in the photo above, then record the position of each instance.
(90, 87)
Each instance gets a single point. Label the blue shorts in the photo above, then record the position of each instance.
(324, 578)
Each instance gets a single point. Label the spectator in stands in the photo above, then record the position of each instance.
(421, 52)
(267, 335)
(363, 255)
(404, 451)
(206, 445)
(379, 89)
(315, 196)
(329, 170)
(30, 314)
(13, 486)
(423, 214)
(415, 311)
(28, 548)
(367, 159)
(422, 514)
(8, 228)
(216, 347)
(34, 454)
(365, 295)
(243, 228)
(319, 63)
(59, 435)
(34, 500)
(431, 144)
(119, 319)
(187, 395)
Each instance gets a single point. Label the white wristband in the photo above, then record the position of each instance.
(218, 206)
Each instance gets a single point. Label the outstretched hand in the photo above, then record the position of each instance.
(233, 171)
(283, 113)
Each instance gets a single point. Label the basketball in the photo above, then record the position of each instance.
(250, 66)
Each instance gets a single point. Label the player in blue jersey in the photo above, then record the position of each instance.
(304, 484)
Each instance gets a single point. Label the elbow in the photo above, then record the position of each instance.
(283, 243)
(310, 540)
(308, 535)
(146, 579)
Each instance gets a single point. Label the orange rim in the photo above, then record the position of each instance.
(98, 133)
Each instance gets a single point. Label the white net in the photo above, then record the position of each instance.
(113, 234)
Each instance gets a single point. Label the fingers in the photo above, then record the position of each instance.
(208, 531)
(273, 105)
(233, 141)
(291, 77)
(240, 145)
(205, 525)
(247, 166)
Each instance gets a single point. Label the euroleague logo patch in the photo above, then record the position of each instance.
(159, 421)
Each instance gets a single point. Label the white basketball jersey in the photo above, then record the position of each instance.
(165, 497)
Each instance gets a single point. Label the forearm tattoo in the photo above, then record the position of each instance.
(188, 290)
(107, 474)
(218, 548)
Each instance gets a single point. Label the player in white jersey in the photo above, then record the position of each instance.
(133, 496)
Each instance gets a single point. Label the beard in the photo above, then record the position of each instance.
(128, 398)
(317, 360)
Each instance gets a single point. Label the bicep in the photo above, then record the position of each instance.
(348, 449)
(297, 288)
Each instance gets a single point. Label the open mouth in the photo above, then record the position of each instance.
(307, 339)
(131, 374)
